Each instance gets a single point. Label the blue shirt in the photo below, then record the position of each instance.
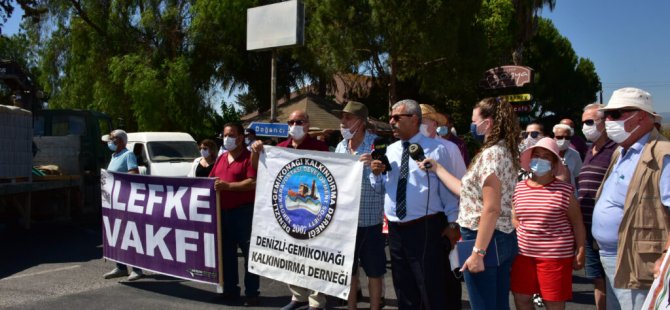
(425, 192)
(608, 212)
(122, 161)
(372, 203)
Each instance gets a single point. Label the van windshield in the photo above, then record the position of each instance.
(173, 151)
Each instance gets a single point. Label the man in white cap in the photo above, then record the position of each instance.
(631, 219)
(124, 161)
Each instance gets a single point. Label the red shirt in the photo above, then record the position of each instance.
(308, 143)
(239, 170)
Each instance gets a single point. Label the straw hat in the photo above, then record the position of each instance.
(427, 111)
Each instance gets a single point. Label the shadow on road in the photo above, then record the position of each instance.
(50, 242)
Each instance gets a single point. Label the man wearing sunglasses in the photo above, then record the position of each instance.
(631, 219)
(299, 138)
(596, 161)
(416, 205)
(534, 132)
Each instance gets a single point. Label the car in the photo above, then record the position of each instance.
(168, 154)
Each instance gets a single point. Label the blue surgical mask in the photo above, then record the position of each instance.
(443, 130)
(475, 132)
(540, 166)
(111, 146)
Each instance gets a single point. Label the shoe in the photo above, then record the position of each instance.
(252, 301)
(116, 273)
(537, 300)
(135, 275)
(295, 305)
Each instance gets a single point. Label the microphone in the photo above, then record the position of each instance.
(379, 152)
(416, 152)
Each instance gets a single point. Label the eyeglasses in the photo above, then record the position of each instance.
(533, 134)
(616, 114)
(561, 137)
(398, 116)
(298, 122)
(590, 122)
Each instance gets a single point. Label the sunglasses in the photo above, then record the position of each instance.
(561, 137)
(533, 134)
(590, 122)
(398, 116)
(298, 122)
(616, 114)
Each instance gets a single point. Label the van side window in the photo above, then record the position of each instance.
(139, 154)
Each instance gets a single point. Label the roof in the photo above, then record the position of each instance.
(158, 136)
(320, 112)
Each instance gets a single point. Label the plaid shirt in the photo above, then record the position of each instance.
(372, 203)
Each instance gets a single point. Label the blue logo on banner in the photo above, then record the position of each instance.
(279, 130)
(304, 197)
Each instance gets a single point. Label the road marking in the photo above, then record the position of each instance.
(41, 272)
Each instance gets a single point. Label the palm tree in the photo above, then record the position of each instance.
(526, 12)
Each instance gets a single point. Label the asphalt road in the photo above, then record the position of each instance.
(58, 265)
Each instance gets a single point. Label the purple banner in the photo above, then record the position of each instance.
(162, 224)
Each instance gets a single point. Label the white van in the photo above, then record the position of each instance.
(168, 154)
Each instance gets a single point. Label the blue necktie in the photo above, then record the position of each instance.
(401, 193)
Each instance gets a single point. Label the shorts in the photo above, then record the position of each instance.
(593, 268)
(550, 277)
(370, 251)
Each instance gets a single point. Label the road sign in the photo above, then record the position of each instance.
(506, 76)
(517, 97)
(279, 130)
(523, 108)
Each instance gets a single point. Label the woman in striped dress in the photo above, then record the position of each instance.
(550, 230)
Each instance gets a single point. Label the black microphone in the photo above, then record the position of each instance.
(379, 152)
(416, 152)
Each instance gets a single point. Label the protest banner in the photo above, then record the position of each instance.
(658, 297)
(162, 224)
(305, 218)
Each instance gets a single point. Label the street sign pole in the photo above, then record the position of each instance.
(273, 88)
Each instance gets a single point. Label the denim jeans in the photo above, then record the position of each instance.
(620, 298)
(236, 232)
(489, 289)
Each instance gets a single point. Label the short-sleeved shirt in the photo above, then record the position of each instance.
(372, 203)
(544, 227)
(591, 176)
(122, 161)
(495, 159)
(238, 170)
(308, 143)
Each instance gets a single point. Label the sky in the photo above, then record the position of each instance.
(628, 41)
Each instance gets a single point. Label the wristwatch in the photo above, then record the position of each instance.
(453, 225)
(479, 252)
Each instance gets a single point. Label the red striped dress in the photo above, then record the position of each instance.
(544, 228)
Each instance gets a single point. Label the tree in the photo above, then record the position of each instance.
(564, 83)
(526, 17)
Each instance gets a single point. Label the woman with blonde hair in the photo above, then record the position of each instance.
(202, 165)
(485, 208)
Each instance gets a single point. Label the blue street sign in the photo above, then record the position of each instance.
(270, 129)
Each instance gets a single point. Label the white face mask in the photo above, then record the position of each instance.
(424, 130)
(229, 143)
(204, 153)
(563, 144)
(346, 132)
(616, 130)
(297, 132)
(591, 132)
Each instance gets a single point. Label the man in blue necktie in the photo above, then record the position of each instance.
(417, 206)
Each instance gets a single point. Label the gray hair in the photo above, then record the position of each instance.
(411, 106)
(598, 106)
(120, 134)
(562, 126)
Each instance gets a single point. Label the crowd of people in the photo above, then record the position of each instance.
(530, 207)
